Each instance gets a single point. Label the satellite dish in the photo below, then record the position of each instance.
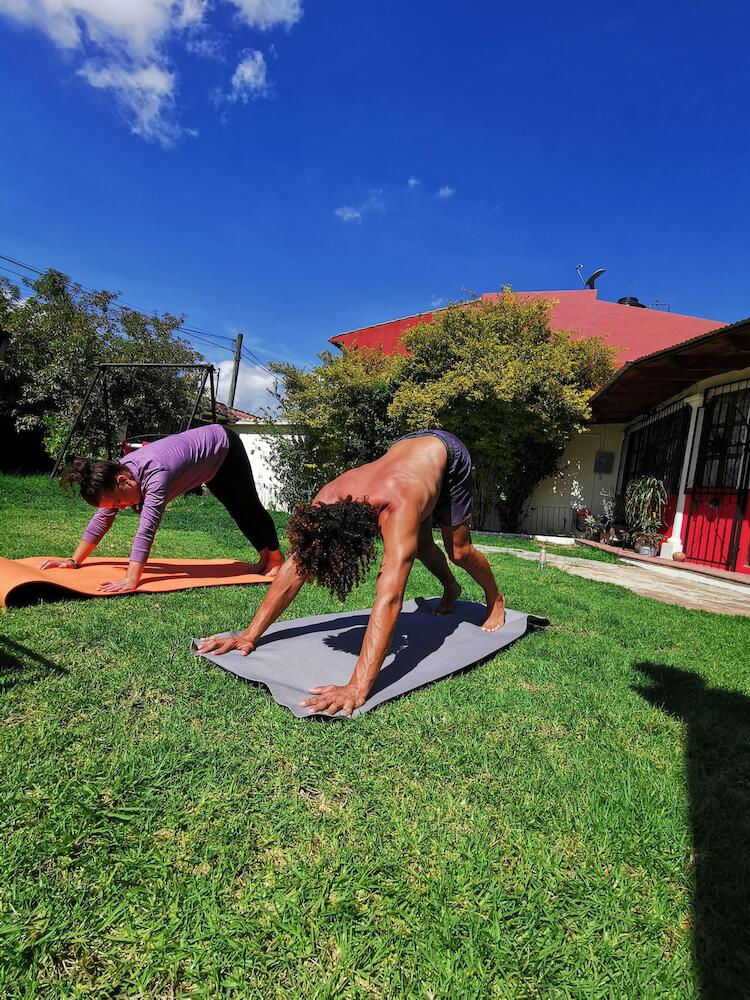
(592, 278)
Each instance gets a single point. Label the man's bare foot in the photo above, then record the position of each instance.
(450, 596)
(269, 564)
(496, 618)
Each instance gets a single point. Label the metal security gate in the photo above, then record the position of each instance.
(717, 530)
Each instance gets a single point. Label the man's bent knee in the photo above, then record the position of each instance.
(461, 556)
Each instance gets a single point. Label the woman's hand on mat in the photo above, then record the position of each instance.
(333, 698)
(224, 643)
(57, 564)
(117, 587)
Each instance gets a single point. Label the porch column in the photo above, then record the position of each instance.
(674, 542)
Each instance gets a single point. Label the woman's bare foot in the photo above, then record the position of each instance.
(274, 563)
(269, 564)
(450, 596)
(496, 618)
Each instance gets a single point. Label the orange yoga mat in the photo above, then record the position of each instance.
(22, 582)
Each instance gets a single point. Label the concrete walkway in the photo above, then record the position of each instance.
(659, 582)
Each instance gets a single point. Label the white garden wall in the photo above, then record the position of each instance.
(257, 437)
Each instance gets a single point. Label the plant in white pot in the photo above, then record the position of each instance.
(645, 500)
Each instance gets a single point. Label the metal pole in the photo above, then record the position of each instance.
(213, 396)
(235, 368)
(107, 429)
(76, 422)
(199, 396)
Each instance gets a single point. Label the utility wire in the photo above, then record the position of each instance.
(191, 333)
(205, 335)
(257, 363)
(186, 332)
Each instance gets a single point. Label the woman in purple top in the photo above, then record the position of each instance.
(150, 477)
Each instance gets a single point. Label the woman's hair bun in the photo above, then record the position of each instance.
(77, 472)
(94, 478)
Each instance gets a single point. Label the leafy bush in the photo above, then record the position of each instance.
(340, 413)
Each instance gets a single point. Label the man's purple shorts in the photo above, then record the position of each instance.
(454, 504)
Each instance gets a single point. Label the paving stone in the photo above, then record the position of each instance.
(660, 583)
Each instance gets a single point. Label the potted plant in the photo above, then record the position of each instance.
(609, 526)
(645, 500)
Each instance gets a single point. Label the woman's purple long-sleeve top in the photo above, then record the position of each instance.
(164, 470)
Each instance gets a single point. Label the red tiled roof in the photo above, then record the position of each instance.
(226, 414)
(633, 331)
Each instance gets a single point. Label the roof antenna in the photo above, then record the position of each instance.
(591, 280)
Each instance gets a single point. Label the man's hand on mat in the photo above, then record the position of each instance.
(223, 644)
(57, 564)
(333, 698)
(117, 587)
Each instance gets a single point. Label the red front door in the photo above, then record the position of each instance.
(709, 526)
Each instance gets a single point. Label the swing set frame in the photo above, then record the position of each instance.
(208, 377)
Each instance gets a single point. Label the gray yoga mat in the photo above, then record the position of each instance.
(294, 656)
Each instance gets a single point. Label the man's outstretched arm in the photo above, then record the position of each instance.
(286, 585)
(400, 541)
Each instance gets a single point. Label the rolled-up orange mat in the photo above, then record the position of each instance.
(22, 582)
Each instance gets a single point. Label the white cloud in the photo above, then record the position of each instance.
(413, 182)
(206, 44)
(436, 302)
(355, 213)
(445, 192)
(145, 94)
(121, 46)
(134, 27)
(347, 213)
(191, 13)
(253, 385)
(265, 14)
(249, 79)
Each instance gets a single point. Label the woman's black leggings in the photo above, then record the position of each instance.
(234, 486)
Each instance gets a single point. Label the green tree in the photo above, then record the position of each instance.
(339, 413)
(493, 372)
(54, 340)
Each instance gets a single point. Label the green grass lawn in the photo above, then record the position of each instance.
(532, 545)
(570, 819)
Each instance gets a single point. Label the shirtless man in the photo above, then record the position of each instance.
(423, 475)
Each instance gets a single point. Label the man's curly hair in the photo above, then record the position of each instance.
(334, 543)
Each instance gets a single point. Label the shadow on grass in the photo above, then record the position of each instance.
(21, 665)
(718, 774)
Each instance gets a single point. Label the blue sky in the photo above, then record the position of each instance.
(248, 162)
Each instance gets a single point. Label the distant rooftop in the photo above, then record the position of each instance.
(228, 414)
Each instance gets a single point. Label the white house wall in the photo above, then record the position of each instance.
(577, 485)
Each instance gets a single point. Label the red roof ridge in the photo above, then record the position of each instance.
(578, 310)
(437, 309)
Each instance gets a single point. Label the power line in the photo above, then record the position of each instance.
(257, 363)
(205, 336)
(217, 347)
(190, 333)
(11, 271)
(18, 263)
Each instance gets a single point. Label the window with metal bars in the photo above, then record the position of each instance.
(725, 439)
(656, 447)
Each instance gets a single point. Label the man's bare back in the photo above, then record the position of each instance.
(394, 496)
(410, 474)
